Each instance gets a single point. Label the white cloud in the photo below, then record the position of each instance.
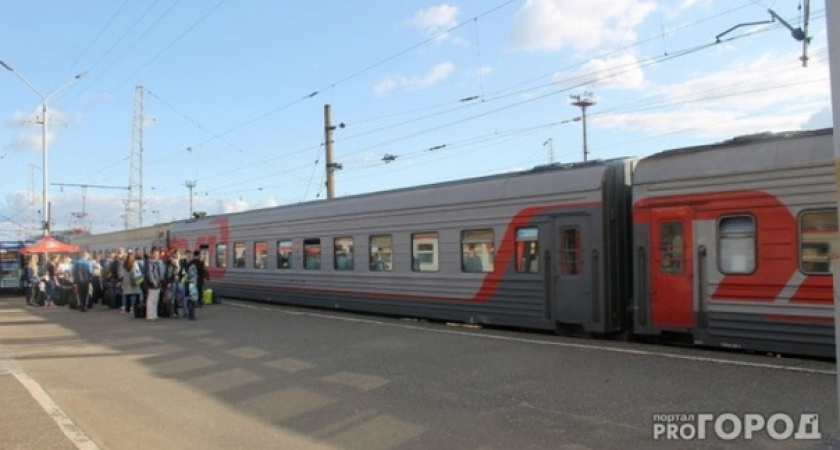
(820, 119)
(30, 137)
(770, 93)
(482, 71)
(707, 123)
(772, 78)
(436, 20)
(675, 9)
(435, 75)
(234, 206)
(546, 25)
(620, 72)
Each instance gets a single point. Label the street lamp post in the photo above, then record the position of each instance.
(583, 101)
(44, 120)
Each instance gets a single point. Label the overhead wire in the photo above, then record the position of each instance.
(347, 78)
(99, 73)
(353, 75)
(582, 81)
(171, 43)
(94, 40)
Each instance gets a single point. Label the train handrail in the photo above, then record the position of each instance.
(547, 288)
(596, 309)
(702, 320)
(643, 285)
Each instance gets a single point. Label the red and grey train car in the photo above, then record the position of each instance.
(732, 243)
(543, 249)
(728, 245)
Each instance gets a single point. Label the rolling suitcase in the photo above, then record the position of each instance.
(140, 310)
(165, 304)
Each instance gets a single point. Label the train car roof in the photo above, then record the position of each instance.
(750, 153)
(574, 177)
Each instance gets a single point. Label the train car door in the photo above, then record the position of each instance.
(671, 268)
(571, 271)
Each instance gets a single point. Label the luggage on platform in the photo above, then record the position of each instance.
(165, 304)
(140, 310)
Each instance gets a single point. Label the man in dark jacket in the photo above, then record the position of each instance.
(202, 275)
(82, 276)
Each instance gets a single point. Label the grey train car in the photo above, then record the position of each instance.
(732, 243)
(143, 238)
(545, 249)
(728, 245)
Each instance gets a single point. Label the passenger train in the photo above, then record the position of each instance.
(723, 245)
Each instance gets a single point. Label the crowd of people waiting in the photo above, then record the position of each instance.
(148, 285)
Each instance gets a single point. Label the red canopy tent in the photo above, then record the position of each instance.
(49, 244)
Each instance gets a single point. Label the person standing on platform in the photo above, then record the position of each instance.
(82, 275)
(51, 281)
(153, 278)
(130, 277)
(30, 281)
(174, 275)
(201, 275)
(192, 292)
(96, 280)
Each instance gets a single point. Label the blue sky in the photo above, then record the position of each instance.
(234, 93)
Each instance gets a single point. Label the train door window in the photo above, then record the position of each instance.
(424, 252)
(343, 253)
(817, 237)
(239, 254)
(221, 255)
(736, 245)
(527, 250)
(671, 247)
(261, 255)
(284, 254)
(204, 253)
(312, 254)
(570, 251)
(477, 251)
(381, 253)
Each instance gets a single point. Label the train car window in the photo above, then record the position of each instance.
(221, 255)
(570, 252)
(284, 254)
(261, 255)
(381, 253)
(312, 254)
(239, 254)
(478, 251)
(424, 252)
(343, 253)
(736, 245)
(671, 247)
(527, 250)
(817, 239)
(204, 253)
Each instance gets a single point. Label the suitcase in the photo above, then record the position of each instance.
(62, 296)
(140, 310)
(96, 291)
(207, 297)
(165, 305)
(108, 297)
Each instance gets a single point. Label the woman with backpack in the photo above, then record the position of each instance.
(130, 279)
